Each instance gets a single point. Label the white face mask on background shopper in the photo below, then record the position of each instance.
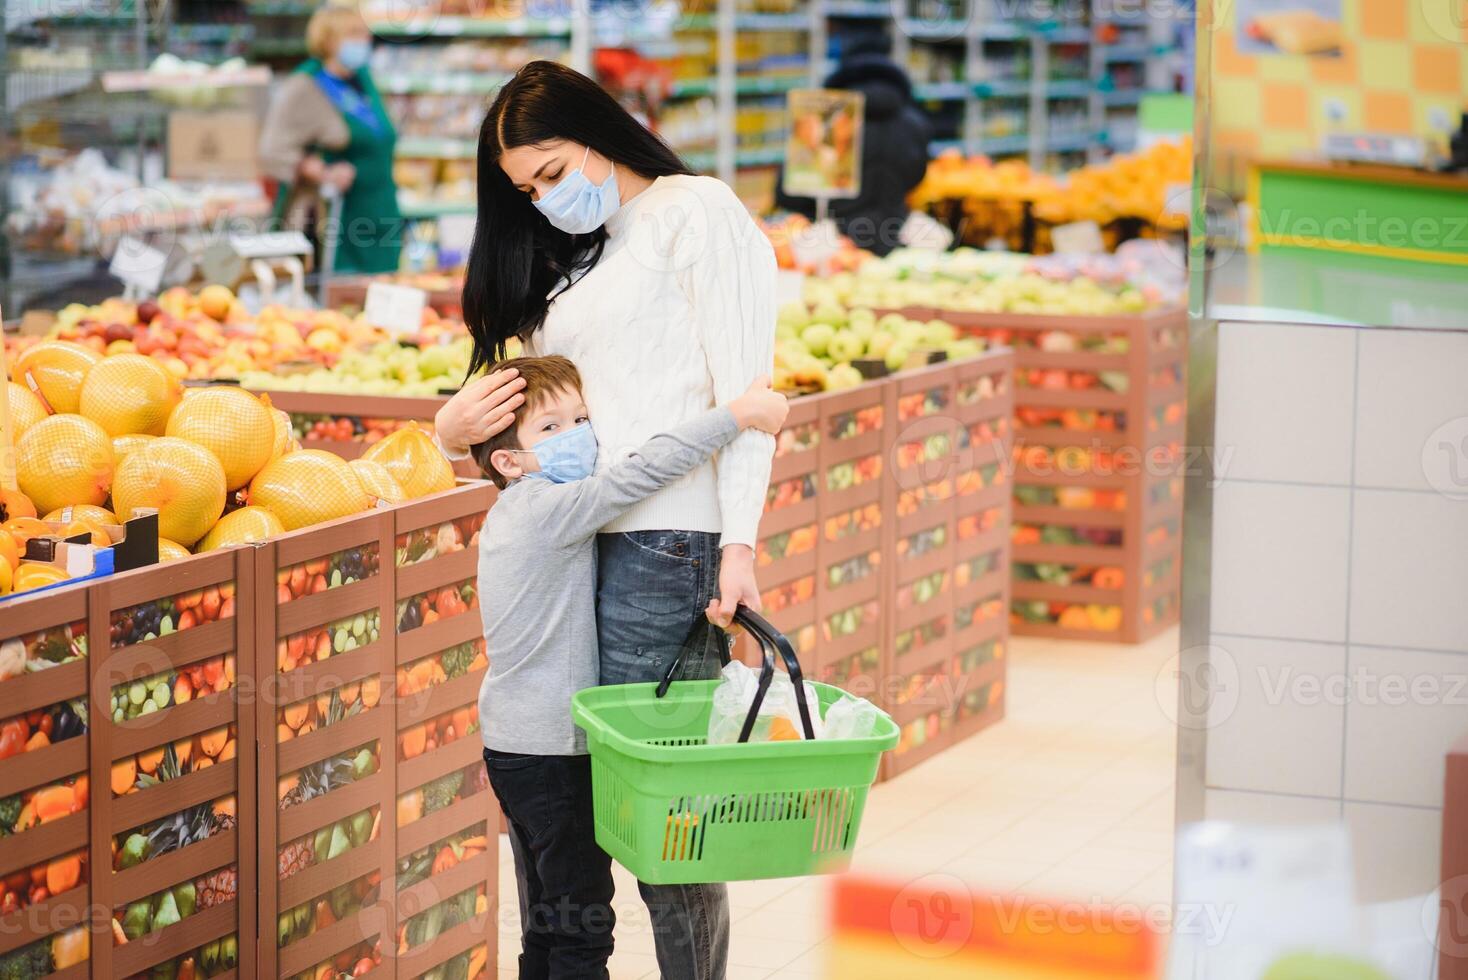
(354, 53)
(576, 205)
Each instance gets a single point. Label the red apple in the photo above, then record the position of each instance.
(148, 311)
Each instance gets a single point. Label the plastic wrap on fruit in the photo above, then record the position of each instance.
(851, 717)
(779, 714)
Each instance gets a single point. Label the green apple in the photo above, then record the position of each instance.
(911, 333)
(845, 346)
(843, 376)
(891, 322)
(829, 312)
(816, 337)
(897, 355)
(793, 314)
(937, 333)
(880, 343)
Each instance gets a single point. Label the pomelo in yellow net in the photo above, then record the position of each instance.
(65, 459)
(308, 487)
(414, 461)
(58, 367)
(122, 445)
(377, 481)
(241, 527)
(232, 424)
(25, 408)
(82, 512)
(283, 434)
(180, 478)
(130, 393)
(171, 550)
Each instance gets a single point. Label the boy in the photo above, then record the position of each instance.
(537, 593)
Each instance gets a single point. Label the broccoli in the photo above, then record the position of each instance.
(27, 963)
(9, 813)
(456, 660)
(440, 793)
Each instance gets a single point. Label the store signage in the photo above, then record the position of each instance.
(1078, 238)
(139, 266)
(271, 245)
(396, 309)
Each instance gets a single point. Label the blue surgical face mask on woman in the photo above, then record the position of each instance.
(576, 205)
(566, 456)
(354, 54)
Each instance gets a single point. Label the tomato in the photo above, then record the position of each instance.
(48, 724)
(13, 735)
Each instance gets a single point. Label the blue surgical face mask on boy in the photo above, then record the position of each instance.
(354, 53)
(576, 205)
(566, 456)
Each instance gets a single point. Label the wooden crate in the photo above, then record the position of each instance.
(384, 413)
(55, 624)
(180, 638)
(1103, 494)
(439, 666)
(946, 643)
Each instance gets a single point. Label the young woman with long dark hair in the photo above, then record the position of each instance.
(595, 242)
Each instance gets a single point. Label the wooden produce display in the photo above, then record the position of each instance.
(45, 861)
(947, 635)
(347, 425)
(1100, 406)
(173, 871)
(447, 818)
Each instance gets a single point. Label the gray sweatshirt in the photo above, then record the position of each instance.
(537, 585)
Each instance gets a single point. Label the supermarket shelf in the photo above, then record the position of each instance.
(772, 22)
(1013, 143)
(1002, 88)
(694, 22)
(455, 83)
(1069, 88)
(1127, 52)
(769, 86)
(146, 81)
(429, 210)
(869, 9)
(934, 30)
(1068, 142)
(143, 222)
(282, 8)
(692, 88)
(701, 160)
(939, 146)
(765, 156)
(477, 27)
(1003, 31)
(1064, 35)
(439, 149)
(942, 91)
(278, 47)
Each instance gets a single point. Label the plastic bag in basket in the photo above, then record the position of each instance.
(851, 717)
(779, 714)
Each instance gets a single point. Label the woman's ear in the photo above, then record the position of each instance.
(506, 464)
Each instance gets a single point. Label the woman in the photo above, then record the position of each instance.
(595, 242)
(327, 128)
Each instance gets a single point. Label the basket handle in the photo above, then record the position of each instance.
(770, 641)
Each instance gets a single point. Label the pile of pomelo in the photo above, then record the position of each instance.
(102, 436)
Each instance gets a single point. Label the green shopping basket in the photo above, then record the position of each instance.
(674, 810)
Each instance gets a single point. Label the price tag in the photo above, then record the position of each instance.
(270, 245)
(456, 233)
(138, 265)
(1078, 238)
(923, 231)
(396, 309)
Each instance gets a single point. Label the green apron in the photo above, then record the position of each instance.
(372, 229)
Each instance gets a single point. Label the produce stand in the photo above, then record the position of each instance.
(203, 673)
(380, 414)
(351, 292)
(1098, 470)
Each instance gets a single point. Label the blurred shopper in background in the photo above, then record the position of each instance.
(327, 130)
(894, 154)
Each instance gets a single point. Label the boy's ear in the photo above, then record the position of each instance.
(507, 464)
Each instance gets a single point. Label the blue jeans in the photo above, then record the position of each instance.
(564, 878)
(651, 592)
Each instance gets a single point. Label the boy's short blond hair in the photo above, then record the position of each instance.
(329, 24)
(543, 377)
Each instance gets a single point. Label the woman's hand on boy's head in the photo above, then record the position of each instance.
(760, 407)
(480, 410)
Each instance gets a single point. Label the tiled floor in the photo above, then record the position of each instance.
(1071, 796)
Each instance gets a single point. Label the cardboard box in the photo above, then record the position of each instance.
(219, 145)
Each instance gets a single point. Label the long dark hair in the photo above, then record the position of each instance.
(519, 262)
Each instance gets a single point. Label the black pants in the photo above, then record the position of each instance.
(565, 879)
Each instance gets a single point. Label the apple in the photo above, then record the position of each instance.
(843, 376)
(148, 311)
(845, 346)
(897, 356)
(880, 343)
(816, 337)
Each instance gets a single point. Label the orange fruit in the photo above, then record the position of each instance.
(94, 530)
(13, 503)
(413, 459)
(240, 527)
(180, 478)
(232, 424)
(9, 551)
(65, 459)
(215, 302)
(33, 575)
(25, 408)
(130, 393)
(58, 368)
(308, 487)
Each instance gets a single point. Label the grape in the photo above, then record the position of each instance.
(148, 707)
(161, 694)
(339, 639)
(336, 577)
(117, 715)
(359, 625)
(137, 693)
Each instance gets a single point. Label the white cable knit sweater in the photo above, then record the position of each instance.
(677, 317)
